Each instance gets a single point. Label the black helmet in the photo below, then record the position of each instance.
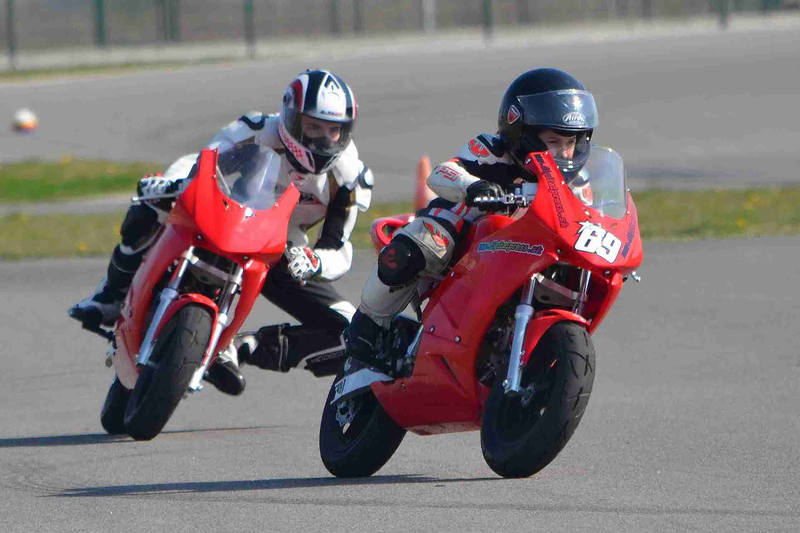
(322, 95)
(547, 98)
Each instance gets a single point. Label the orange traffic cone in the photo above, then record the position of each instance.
(423, 194)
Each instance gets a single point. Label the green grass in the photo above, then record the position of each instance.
(27, 236)
(663, 215)
(690, 215)
(36, 181)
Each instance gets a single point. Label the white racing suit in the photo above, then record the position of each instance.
(332, 199)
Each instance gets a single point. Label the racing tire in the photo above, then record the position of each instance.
(112, 414)
(356, 436)
(521, 434)
(177, 354)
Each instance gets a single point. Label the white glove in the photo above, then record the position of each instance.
(304, 264)
(155, 186)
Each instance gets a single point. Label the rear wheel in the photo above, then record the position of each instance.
(522, 433)
(356, 436)
(177, 354)
(112, 415)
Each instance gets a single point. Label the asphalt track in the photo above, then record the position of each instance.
(693, 423)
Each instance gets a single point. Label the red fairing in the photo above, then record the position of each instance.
(561, 211)
(205, 218)
(230, 227)
(443, 393)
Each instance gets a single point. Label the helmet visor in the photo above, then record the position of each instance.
(569, 109)
(322, 137)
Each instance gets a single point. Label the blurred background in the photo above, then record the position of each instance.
(48, 25)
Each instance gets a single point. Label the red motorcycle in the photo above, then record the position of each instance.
(195, 287)
(503, 342)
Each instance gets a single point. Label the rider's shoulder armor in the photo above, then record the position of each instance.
(485, 149)
(253, 127)
(485, 157)
(350, 172)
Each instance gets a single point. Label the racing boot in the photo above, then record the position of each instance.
(103, 306)
(281, 347)
(267, 348)
(224, 373)
(364, 344)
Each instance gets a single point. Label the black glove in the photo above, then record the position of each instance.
(485, 190)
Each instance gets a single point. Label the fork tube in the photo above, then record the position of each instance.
(168, 295)
(584, 291)
(522, 316)
(223, 319)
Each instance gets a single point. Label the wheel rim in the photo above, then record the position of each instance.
(352, 416)
(518, 413)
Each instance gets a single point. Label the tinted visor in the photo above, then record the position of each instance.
(328, 139)
(569, 110)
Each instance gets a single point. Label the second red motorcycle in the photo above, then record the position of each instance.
(503, 344)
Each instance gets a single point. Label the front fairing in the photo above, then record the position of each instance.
(593, 217)
(238, 211)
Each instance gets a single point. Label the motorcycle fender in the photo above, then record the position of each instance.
(181, 302)
(541, 322)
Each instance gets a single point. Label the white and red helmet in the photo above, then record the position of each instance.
(322, 95)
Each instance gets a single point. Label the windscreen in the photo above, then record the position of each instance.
(248, 174)
(601, 182)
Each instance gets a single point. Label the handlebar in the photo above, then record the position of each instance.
(521, 197)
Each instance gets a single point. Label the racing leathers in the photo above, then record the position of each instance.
(425, 246)
(332, 199)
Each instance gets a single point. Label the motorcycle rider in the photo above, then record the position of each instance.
(312, 136)
(542, 109)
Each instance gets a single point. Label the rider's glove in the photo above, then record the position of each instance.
(304, 264)
(485, 190)
(156, 185)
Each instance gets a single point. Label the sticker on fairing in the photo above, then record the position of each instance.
(593, 239)
(514, 247)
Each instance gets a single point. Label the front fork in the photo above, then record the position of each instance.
(169, 294)
(223, 319)
(522, 317)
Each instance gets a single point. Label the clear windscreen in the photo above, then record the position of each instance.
(248, 174)
(601, 183)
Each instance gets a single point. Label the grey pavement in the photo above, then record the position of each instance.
(692, 424)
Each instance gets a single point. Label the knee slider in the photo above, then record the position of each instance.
(400, 262)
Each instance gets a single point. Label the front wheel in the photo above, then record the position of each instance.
(112, 415)
(356, 436)
(177, 354)
(522, 433)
